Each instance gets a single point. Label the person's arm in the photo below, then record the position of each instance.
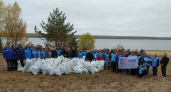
(166, 62)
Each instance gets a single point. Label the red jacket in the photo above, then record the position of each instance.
(99, 58)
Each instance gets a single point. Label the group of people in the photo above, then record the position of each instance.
(111, 57)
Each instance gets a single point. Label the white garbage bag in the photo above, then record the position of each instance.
(63, 68)
(20, 68)
(27, 65)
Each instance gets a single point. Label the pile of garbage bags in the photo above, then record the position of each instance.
(59, 66)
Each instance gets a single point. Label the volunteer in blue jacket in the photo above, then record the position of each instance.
(80, 54)
(58, 51)
(20, 54)
(107, 55)
(148, 61)
(118, 55)
(8, 56)
(85, 53)
(42, 53)
(94, 55)
(113, 61)
(133, 71)
(14, 60)
(27, 52)
(34, 53)
(155, 64)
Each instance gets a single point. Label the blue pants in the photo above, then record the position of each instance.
(9, 65)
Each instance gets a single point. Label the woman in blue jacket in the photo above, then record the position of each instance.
(42, 53)
(155, 64)
(148, 61)
(27, 53)
(34, 53)
(113, 61)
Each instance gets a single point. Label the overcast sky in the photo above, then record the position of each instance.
(104, 17)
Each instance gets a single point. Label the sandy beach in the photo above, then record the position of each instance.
(104, 81)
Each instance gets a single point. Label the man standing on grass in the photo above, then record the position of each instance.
(164, 61)
(20, 54)
(8, 56)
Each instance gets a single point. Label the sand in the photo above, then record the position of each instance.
(104, 81)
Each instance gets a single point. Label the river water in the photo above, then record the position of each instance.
(126, 43)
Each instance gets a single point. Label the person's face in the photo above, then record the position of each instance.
(127, 52)
(57, 47)
(107, 59)
(13, 47)
(165, 54)
(73, 48)
(98, 55)
(143, 51)
(155, 55)
(119, 52)
(114, 51)
(8, 45)
(133, 53)
(32, 48)
(54, 48)
(68, 49)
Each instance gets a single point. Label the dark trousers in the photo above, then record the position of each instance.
(15, 64)
(142, 74)
(9, 65)
(155, 71)
(147, 70)
(133, 72)
(163, 69)
(113, 65)
(22, 63)
(117, 69)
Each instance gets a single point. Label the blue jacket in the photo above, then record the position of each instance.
(106, 55)
(117, 57)
(20, 53)
(107, 62)
(149, 61)
(85, 53)
(94, 56)
(113, 57)
(58, 52)
(34, 54)
(7, 53)
(80, 54)
(97, 53)
(27, 53)
(101, 54)
(155, 62)
(142, 69)
(42, 54)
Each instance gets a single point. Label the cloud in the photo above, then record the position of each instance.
(104, 17)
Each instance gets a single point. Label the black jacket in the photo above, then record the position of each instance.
(63, 52)
(164, 61)
(74, 53)
(89, 56)
(54, 54)
(69, 54)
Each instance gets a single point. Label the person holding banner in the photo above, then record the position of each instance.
(155, 64)
(164, 61)
(133, 71)
(118, 55)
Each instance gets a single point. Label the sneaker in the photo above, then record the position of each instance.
(164, 77)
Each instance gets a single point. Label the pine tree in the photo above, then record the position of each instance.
(56, 30)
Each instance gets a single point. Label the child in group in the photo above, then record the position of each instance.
(142, 71)
(107, 63)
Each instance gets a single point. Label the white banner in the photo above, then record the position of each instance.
(128, 63)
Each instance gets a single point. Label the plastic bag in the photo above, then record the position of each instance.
(20, 68)
(63, 68)
(27, 66)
